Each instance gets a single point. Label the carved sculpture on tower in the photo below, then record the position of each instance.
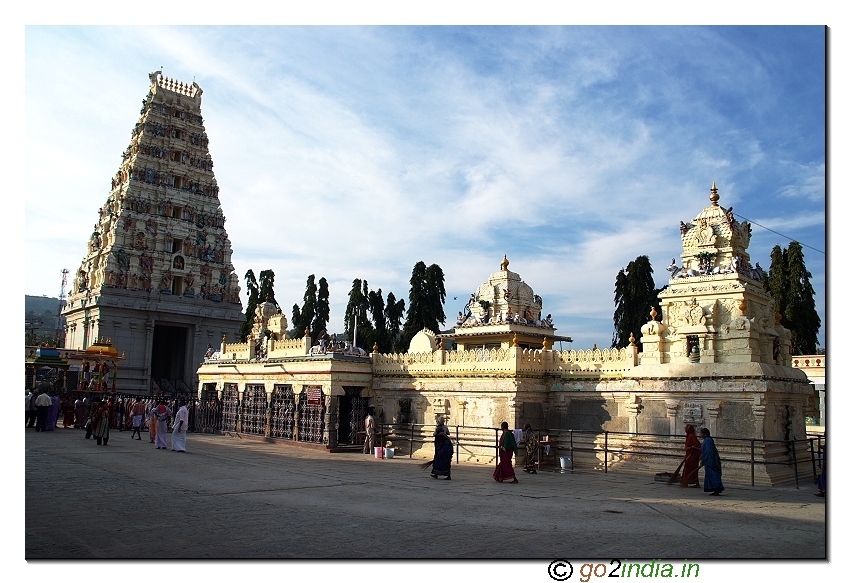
(164, 197)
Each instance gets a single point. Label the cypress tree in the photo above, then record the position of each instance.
(303, 317)
(393, 313)
(634, 297)
(379, 321)
(789, 282)
(266, 293)
(427, 295)
(253, 301)
(322, 310)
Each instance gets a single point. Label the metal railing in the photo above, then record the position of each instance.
(417, 436)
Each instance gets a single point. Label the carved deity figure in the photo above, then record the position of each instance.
(705, 235)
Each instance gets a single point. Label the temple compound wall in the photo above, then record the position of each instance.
(717, 358)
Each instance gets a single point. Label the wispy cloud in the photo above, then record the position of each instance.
(355, 152)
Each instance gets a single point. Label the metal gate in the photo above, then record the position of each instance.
(283, 412)
(311, 417)
(229, 407)
(208, 416)
(254, 407)
(359, 407)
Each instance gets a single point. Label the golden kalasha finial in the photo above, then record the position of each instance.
(505, 263)
(653, 313)
(307, 331)
(375, 348)
(632, 334)
(515, 341)
(547, 343)
(714, 196)
(442, 343)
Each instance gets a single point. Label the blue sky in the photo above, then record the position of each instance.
(354, 152)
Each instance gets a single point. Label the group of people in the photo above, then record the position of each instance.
(42, 412)
(701, 455)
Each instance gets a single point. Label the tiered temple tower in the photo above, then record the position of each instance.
(157, 277)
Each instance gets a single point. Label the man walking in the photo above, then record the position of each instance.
(181, 424)
(42, 405)
(138, 412)
(30, 408)
(369, 442)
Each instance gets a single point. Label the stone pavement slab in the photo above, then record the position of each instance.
(243, 499)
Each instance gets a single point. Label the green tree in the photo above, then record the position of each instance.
(322, 311)
(253, 302)
(427, 296)
(393, 314)
(789, 282)
(266, 293)
(634, 297)
(303, 317)
(379, 321)
(358, 305)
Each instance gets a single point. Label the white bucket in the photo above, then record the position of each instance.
(389, 452)
(566, 462)
(379, 452)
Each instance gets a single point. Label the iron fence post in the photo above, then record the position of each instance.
(812, 454)
(752, 462)
(572, 455)
(410, 455)
(497, 448)
(794, 456)
(606, 452)
(457, 444)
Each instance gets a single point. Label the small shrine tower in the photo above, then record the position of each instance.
(157, 277)
(716, 308)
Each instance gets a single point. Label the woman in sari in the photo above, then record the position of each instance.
(690, 475)
(68, 409)
(152, 423)
(443, 458)
(507, 447)
(100, 428)
(163, 413)
(711, 461)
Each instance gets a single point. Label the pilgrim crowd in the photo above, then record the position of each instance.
(97, 415)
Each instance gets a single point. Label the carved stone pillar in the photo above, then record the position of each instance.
(633, 408)
(713, 410)
(672, 409)
(268, 429)
(759, 411)
(331, 414)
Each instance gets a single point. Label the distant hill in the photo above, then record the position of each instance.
(41, 304)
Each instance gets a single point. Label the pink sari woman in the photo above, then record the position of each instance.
(507, 447)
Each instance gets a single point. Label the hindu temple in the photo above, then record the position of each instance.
(157, 276)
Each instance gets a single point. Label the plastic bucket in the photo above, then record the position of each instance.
(379, 452)
(389, 452)
(566, 462)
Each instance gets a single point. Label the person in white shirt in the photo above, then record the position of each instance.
(181, 424)
(369, 442)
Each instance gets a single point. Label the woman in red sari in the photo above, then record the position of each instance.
(507, 447)
(68, 409)
(690, 475)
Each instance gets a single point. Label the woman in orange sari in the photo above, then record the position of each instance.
(690, 475)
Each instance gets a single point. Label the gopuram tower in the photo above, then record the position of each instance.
(157, 277)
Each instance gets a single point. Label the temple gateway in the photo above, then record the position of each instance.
(717, 358)
(157, 277)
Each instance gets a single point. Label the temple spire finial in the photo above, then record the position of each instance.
(714, 196)
(505, 263)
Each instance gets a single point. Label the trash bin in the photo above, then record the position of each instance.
(389, 452)
(566, 462)
(379, 452)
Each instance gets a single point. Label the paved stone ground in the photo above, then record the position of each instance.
(235, 498)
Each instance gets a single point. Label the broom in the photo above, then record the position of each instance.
(676, 473)
(427, 464)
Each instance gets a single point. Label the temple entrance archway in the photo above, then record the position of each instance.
(352, 416)
(168, 357)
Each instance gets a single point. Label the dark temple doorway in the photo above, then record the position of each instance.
(351, 428)
(168, 358)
